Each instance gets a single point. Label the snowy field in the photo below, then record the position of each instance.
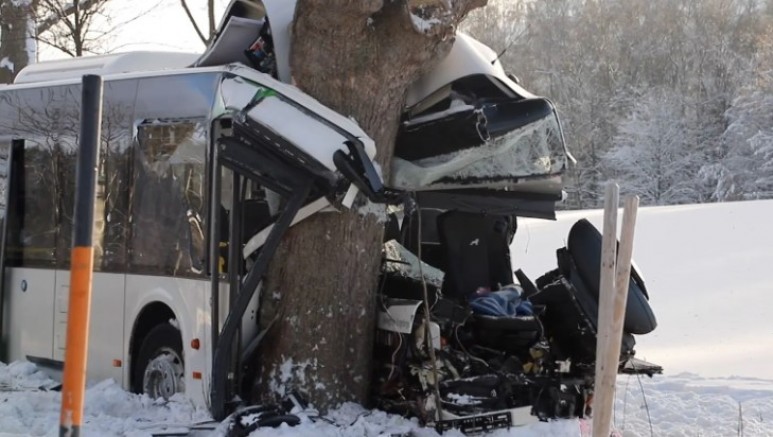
(706, 269)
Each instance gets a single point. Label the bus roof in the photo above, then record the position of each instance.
(104, 65)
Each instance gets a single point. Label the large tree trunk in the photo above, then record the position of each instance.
(14, 38)
(357, 57)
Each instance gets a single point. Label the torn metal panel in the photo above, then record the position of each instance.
(398, 315)
(521, 203)
(402, 262)
(468, 57)
(276, 122)
(267, 114)
(258, 94)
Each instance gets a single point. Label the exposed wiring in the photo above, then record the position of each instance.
(430, 346)
(394, 355)
(644, 397)
(469, 355)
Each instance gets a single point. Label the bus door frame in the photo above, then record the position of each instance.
(14, 171)
(295, 185)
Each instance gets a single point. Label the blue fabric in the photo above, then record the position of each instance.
(503, 303)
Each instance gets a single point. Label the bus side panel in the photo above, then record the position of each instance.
(106, 328)
(189, 301)
(30, 300)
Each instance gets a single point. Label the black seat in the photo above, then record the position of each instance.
(584, 246)
(571, 297)
(476, 254)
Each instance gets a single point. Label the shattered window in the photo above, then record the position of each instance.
(167, 200)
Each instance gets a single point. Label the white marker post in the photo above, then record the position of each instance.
(613, 295)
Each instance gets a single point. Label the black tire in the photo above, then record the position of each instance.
(161, 338)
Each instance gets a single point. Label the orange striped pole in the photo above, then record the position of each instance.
(82, 261)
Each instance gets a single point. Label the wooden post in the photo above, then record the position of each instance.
(613, 295)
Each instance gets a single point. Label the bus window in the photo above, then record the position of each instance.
(38, 199)
(167, 233)
(47, 119)
(65, 160)
(114, 178)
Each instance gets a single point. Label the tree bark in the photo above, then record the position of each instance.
(13, 38)
(357, 57)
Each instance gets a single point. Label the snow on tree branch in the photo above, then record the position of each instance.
(439, 17)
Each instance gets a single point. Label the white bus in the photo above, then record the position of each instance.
(204, 163)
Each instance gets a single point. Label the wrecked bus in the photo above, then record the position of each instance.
(203, 169)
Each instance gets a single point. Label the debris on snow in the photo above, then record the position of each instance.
(684, 404)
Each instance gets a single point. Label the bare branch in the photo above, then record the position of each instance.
(184, 4)
(59, 14)
(211, 16)
(439, 17)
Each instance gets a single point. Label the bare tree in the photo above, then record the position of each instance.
(597, 60)
(74, 27)
(205, 37)
(65, 25)
(358, 58)
(17, 37)
(71, 26)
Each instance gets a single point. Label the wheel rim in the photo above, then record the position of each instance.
(164, 375)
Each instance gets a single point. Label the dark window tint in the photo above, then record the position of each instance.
(47, 120)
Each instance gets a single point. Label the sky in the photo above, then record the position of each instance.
(158, 25)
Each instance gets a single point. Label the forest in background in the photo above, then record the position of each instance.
(673, 99)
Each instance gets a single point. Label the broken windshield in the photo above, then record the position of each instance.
(489, 145)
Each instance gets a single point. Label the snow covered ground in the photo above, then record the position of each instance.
(706, 268)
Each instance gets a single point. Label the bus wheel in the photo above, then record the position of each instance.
(160, 371)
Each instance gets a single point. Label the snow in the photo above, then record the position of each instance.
(649, 152)
(7, 64)
(424, 25)
(691, 405)
(109, 410)
(31, 42)
(679, 405)
(706, 269)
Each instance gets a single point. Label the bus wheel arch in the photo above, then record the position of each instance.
(156, 351)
